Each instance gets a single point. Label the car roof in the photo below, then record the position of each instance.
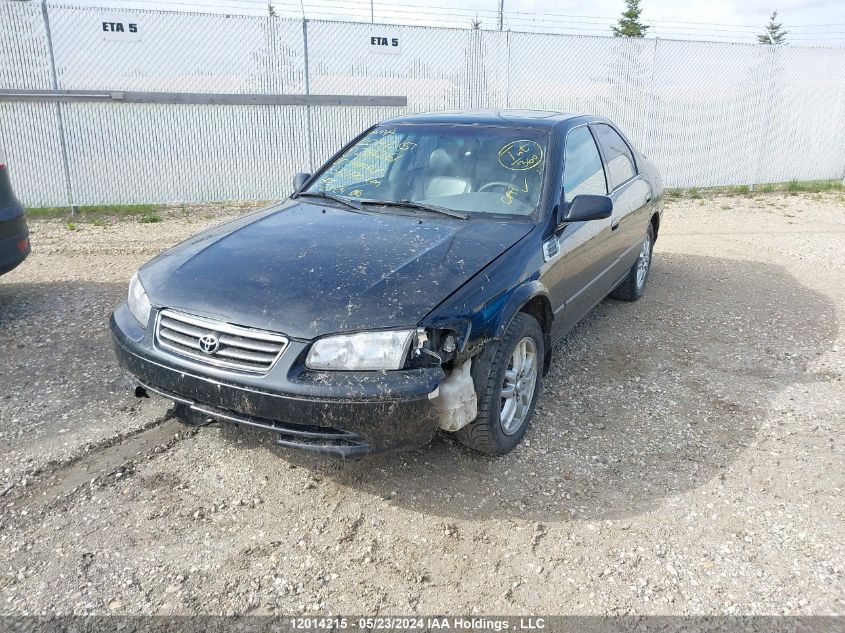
(517, 118)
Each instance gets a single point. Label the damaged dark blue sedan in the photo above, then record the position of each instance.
(416, 282)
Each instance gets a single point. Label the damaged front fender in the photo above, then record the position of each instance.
(487, 303)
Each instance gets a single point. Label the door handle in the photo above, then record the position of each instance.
(614, 224)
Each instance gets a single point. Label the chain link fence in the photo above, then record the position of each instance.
(706, 113)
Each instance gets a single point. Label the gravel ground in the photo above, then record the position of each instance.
(686, 456)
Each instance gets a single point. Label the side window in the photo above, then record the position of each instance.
(582, 168)
(620, 160)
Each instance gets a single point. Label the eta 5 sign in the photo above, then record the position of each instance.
(375, 40)
(119, 28)
(388, 43)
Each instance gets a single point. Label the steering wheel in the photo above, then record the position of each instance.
(497, 183)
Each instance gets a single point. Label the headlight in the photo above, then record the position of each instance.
(139, 303)
(364, 351)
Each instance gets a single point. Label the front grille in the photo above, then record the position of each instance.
(217, 343)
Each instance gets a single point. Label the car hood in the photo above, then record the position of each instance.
(305, 270)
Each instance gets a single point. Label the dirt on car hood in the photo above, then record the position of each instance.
(308, 270)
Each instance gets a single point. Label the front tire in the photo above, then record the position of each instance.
(507, 393)
(633, 286)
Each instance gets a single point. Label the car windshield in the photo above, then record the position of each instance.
(468, 169)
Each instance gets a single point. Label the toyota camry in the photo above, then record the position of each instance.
(415, 283)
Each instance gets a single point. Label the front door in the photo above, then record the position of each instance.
(631, 194)
(574, 280)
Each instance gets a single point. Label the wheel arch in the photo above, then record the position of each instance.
(533, 299)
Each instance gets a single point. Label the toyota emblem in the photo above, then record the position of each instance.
(209, 343)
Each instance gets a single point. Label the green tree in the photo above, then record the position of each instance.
(629, 24)
(476, 23)
(773, 33)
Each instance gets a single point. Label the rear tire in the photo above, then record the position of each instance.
(507, 388)
(633, 286)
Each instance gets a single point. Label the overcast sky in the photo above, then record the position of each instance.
(809, 22)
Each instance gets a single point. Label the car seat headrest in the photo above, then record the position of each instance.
(441, 162)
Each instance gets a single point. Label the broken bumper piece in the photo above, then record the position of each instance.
(346, 414)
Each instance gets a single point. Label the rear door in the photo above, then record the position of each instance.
(631, 194)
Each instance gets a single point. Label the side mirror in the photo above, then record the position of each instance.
(300, 179)
(586, 207)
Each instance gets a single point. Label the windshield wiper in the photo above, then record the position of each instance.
(410, 204)
(331, 196)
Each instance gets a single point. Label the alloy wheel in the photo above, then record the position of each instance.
(643, 262)
(518, 386)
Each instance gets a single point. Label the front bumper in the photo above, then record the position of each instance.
(348, 414)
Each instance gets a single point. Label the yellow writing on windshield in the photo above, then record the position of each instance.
(512, 190)
(366, 163)
(521, 155)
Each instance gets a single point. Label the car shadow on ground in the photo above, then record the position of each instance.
(644, 401)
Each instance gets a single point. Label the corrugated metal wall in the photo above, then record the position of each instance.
(707, 113)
